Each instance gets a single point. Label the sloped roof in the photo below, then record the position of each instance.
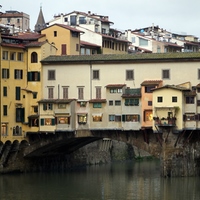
(172, 87)
(66, 27)
(151, 82)
(147, 57)
(115, 85)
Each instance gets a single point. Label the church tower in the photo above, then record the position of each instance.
(40, 22)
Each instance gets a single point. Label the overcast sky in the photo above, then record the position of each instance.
(179, 16)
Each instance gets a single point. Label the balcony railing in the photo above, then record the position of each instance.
(165, 122)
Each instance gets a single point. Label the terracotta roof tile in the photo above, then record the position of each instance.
(151, 82)
(115, 85)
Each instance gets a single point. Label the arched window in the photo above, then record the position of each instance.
(34, 57)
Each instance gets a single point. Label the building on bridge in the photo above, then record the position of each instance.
(115, 92)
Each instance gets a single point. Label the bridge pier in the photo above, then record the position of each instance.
(179, 160)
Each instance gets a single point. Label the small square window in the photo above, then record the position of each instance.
(174, 99)
(160, 99)
(129, 75)
(165, 74)
(51, 75)
(149, 103)
(95, 74)
(110, 103)
(118, 103)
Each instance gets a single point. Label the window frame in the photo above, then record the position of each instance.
(129, 74)
(165, 73)
(51, 74)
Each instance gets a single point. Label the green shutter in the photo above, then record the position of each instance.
(38, 76)
(123, 118)
(29, 76)
(22, 114)
(17, 93)
(42, 122)
(53, 121)
(44, 106)
(138, 118)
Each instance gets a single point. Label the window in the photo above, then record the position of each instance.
(5, 108)
(143, 42)
(149, 103)
(133, 39)
(95, 74)
(66, 19)
(149, 88)
(5, 91)
(63, 49)
(4, 129)
(129, 75)
(18, 74)
(189, 117)
(63, 120)
(47, 106)
(5, 55)
(165, 74)
(80, 93)
(130, 118)
(34, 95)
(33, 76)
(50, 92)
(12, 55)
(82, 119)
(189, 100)
(159, 99)
(132, 102)
(17, 93)
(47, 122)
(110, 103)
(77, 47)
(33, 122)
(35, 109)
(55, 33)
(83, 104)
(51, 75)
(198, 102)
(97, 105)
(65, 92)
(19, 114)
(116, 118)
(34, 57)
(82, 20)
(75, 34)
(98, 92)
(174, 99)
(20, 56)
(17, 130)
(118, 103)
(198, 73)
(5, 73)
(148, 116)
(73, 20)
(97, 117)
(198, 89)
(115, 90)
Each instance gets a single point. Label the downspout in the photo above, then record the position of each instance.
(90, 80)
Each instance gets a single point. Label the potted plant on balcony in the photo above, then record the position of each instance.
(157, 120)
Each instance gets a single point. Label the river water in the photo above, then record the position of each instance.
(117, 181)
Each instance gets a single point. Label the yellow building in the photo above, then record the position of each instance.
(20, 82)
(65, 38)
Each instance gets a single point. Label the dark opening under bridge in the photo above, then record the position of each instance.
(179, 153)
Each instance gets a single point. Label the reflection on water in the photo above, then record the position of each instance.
(118, 181)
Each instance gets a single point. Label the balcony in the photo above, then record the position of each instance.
(165, 122)
(132, 92)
